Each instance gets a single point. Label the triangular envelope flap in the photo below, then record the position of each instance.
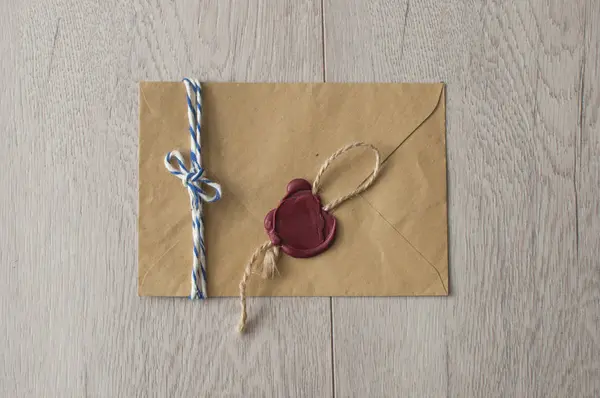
(270, 133)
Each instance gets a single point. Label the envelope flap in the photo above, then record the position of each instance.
(275, 132)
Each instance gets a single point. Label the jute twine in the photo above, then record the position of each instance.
(271, 252)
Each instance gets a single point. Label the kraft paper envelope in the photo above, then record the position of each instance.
(391, 240)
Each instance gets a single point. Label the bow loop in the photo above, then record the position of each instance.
(193, 179)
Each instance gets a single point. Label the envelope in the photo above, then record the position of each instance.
(391, 240)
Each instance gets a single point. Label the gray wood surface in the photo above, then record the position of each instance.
(523, 104)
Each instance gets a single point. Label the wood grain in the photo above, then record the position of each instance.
(72, 324)
(518, 322)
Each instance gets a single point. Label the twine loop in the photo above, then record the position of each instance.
(361, 187)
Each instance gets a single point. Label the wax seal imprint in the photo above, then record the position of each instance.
(300, 225)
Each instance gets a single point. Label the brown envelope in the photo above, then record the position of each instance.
(391, 241)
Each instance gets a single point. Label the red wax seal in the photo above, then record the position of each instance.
(299, 224)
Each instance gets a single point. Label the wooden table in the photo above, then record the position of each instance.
(523, 318)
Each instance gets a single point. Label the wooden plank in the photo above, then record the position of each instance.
(513, 325)
(587, 191)
(72, 324)
(388, 347)
(514, 331)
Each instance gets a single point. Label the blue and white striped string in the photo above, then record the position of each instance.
(193, 179)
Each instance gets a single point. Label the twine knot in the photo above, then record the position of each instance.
(192, 179)
(269, 264)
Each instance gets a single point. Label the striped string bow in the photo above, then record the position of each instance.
(194, 179)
